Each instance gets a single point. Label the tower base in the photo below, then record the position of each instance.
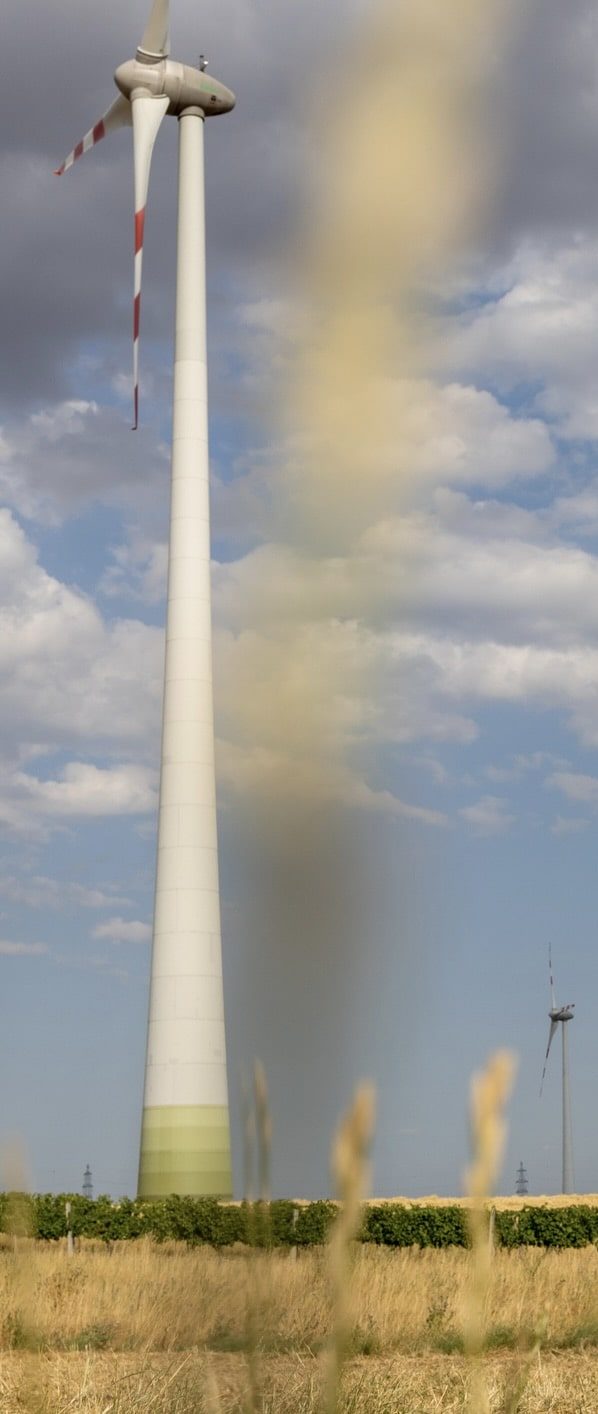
(185, 1149)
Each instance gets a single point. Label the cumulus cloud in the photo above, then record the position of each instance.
(74, 682)
(82, 790)
(434, 612)
(568, 825)
(41, 892)
(123, 930)
(462, 560)
(8, 949)
(533, 677)
(137, 569)
(70, 676)
(543, 322)
(576, 786)
(427, 435)
(488, 816)
(68, 455)
(273, 777)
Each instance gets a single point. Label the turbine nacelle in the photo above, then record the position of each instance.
(564, 1013)
(184, 86)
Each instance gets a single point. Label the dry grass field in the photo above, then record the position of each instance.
(345, 1329)
(171, 1299)
(178, 1331)
(120, 1384)
(509, 1203)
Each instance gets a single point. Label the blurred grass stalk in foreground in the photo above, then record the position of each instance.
(490, 1092)
(350, 1170)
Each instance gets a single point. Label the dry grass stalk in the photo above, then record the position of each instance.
(21, 1323)
(490, 1091)
(258, 1302)
(211, 1397)
(248, 1119)
(350, 1170)
(264, 1131)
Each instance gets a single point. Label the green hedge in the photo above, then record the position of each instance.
(399, 1226)
(547, 1227)
(283, 1223)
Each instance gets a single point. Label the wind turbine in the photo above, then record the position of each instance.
(559, 1016)
(185, 1139)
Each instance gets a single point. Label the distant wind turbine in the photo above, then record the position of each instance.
(185, 1141)
(560, 1016)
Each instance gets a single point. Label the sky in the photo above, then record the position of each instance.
(406, 643)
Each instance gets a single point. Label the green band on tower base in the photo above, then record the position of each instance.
(185, 1149)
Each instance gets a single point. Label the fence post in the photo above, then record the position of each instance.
(70, 1245)
(295, 1220)
(491, 1226)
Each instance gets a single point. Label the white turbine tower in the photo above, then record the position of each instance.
(559, 1016)
(185, 1140)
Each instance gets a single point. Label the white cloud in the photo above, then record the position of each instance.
(69, 676)
(543, 328)
(453, 435)
(538, 760)
(575, 786)
(82, 790)
(313, 646)
(138, 569)
(72, 453)
(477, 565)
(488, 816)
(88, 790)
(463, 434)
(534, 677)
(39, 891)
(73, 683)
(500, 775)
(434, 768)
(568, 825)
(122, 930)
(277, 775)
(8, 949)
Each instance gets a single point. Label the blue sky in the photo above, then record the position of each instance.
(406, 669)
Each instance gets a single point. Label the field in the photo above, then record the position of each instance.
(140, 1327)
(170, 1329)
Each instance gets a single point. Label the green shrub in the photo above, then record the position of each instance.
(397, 1225)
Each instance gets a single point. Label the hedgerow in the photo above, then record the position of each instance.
(283, 1223)
(397, 1225)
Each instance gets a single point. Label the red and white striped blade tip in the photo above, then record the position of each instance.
(117, 116)
(94, 135)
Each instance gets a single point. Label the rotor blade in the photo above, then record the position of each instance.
(118, 116)
(148, 112)
(155, 43)
(552, 993)
(553, 1027)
